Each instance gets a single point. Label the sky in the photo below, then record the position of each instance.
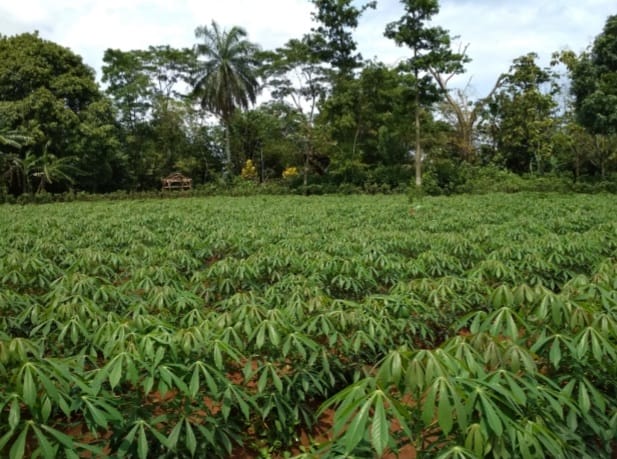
(494, 31)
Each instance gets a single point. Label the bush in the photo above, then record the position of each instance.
(397, 176)
(415, 193)
(348, 188)
(445, 176)
(318, 189)
(375, 188)
(490, 179)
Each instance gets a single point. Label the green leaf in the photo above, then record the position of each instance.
(357, 428)
(48, 451)
(349, 398)
(492, 418)
(191, 441)
(45, 409)
(584, 401)
(162, 439)
(523, 445)
(474, 440)
(160, 354)
(263, 381)
(60, 437)
(194, 383)
(517, 393)
(218, 356)
(115, 373)
(211, 383)
(583, 346)
(98, 416)
(29, 390)
(14, 414)
(278, 384)
(148, 384)
(142, 443)
(18, 448)
(5, 438)
(174, 435)
(555, 352)
(261, 337)
(50, 388)
(444, 411)
(502, 297)
(428, 406)
(380, 429)
(275, 338)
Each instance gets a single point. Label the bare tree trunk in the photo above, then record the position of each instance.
(308, 151)
(465, 118)
(227, 151)
(355, 141)
(261, 161)
(418, 152)
(41, 186)
(306, 167)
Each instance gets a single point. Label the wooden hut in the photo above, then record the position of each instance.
(177, 181)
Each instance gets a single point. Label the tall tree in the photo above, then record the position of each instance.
(463, 113)
(269, 136)
(146, 87)
(226, 76)
(127, 84)
(522, 116)
(296, 76)
(334, 46)
(12, 174)
(50, 95)
(369, 118)
(430, 48)
(47, 169)
(332, 37)
(594, 83)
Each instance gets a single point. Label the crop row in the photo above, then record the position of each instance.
(190, 327)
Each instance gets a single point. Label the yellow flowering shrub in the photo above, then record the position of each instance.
(290, 172)
(249, 172)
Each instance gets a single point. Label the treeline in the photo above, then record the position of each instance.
(327, 118)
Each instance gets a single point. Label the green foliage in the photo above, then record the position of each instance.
(161, 132)
(445, 177)
(430, 52)
(333, 40)
(594, 76)
(520, 119)
(343, 123)
(369, 119)
(226, 78)
(49, 95)
(477, 326)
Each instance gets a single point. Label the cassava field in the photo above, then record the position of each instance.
(327, 327)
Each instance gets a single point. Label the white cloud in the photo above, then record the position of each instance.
(497, 31)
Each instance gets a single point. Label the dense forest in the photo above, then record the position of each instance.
(325, 117)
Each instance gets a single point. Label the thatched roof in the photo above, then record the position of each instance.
(176, 180)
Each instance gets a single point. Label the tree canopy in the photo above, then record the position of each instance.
(327, 118)
(595, 82)
(226, 76)
(49, 95)
(430, 51)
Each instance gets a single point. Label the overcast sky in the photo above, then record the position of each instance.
(497, 31)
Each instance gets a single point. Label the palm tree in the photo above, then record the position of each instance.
(11, 165)
(227, 78)
(48, 168)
